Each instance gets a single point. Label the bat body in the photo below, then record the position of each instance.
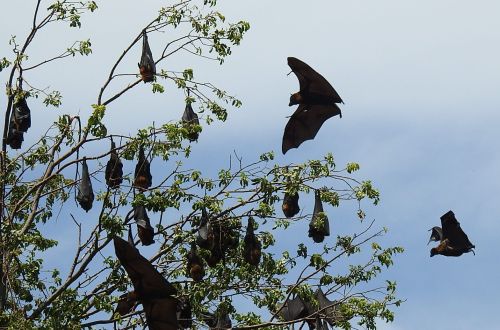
(190, 119)
(150, 287)
(184, 314)
(454, 242)
(144, 229)
(328, 310)
(290, 206)
(114, 169)
(147, 67)
(20, 121)
(85, 196)
(142, 174)
(319, 226)
(252, 247)
(436, 234)
(317, 102)
(15, 137)
(195, 268)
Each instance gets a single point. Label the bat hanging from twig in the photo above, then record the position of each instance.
(85, 196)
(453, 241)
(142, 174)
(190, 120)
(252, 246)
(144, 229)
(317, 102)
(147, 66)
(319, 227)
(20, 121)
(114, 169)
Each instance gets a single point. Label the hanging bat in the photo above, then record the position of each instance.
(195, 268)
(125, 305)
(190, 121)
(320, 325)
(329, 310)
(85, 196)
(223, 322)
(454, 242)
(436, 235)
(150, 287)
(144, 229)
(317, 102)
(252, 246)
(15, 137)
(290, 205)
(114, 169)
(22, 115)
(319, 226)
(203, 231)
(147, 66)
(184, 314)
(142, 174)
(293, 309)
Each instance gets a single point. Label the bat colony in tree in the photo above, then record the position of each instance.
(317, 101)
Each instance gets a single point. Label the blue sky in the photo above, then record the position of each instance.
(420, 82)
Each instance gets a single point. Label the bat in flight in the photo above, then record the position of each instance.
(20, 121)
(252, 245)
(453, 242)
(151, 289)
(319, 227)
(144, 229)
(317, 102)
(147, 67)
(142, 174)
(85, 196)
(114, 169)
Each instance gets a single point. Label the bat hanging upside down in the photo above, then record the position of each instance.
(317, 102)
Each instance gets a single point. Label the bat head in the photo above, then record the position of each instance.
(434, 251)
(295, 98)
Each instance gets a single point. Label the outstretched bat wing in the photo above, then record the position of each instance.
(293, 309)
(453, 232)
(311, 82)
(305, 124)
(147, 281)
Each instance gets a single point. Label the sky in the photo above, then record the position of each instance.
(421, 115)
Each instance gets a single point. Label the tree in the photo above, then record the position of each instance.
(38, 183)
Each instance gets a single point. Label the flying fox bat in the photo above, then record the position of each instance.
(328, 309)
(203, 231)
(454, 242)
(252, 247)
(190, 119)
(290, 205)
(147, 66)
(114, 169)
(293, 309)
(21, 115)
(85, 196)
(217, 322)
(150, 287)
(436, 234)
(142, 174)
(144, 229)
(15, 137)
(317, 102)
(319, 226)
(195, 268)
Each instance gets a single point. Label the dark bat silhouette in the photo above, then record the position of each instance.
(319, 226)
(150, 287)
(320, 325)
(190, 119)
(252, 246)
(290, 205)
(217, 322)
(144, 229)
(195, 268)
(317, 102)
(142, 174)
(147, 66)
(328, 309)
(184, 314)
(454, 242)
(203, 231)
(125, 305)
(114, 169)
(436, 235)
(85, 196)
(15, 137)
(293, 309)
